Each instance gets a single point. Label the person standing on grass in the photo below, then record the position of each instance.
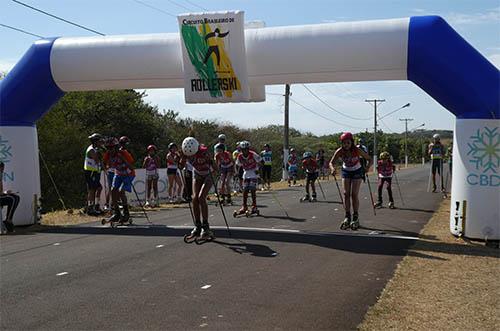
(436, 152)
(267, 165)
(173, 159)
(92, 170)
(9, 199)
(151, 163)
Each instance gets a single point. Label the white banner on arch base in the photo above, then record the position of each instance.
(214, 57)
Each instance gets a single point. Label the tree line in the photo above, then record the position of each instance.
(63, 132)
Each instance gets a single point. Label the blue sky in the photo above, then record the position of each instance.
(478, 21)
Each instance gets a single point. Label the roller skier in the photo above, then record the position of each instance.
(310, 167)
(249, 161)
(352, 176)
(436, 152)
(293, 168)
(225, 163)
(121, 160)
(202, 163)
(385, 170)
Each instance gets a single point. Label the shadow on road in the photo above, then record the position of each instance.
(246, 248)
(356, 243)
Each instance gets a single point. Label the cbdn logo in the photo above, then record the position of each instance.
(5, 157)
(484, 152)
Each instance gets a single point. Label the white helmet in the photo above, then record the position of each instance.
(190, 146)
(221, 136)
(436, 136)
(244, 144)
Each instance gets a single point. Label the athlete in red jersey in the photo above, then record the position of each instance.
(202, 163)
(310, 167)
(385, 170)
(225, 164)
(352, 175)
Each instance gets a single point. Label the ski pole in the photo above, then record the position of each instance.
(399, 188)
(430, 176)
(183, 177)
(321, 188)
(371, 195)
(140, 204)
(279, 203)
(218, 200)
(338, 189)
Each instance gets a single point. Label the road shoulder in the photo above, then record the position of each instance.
(444, 283)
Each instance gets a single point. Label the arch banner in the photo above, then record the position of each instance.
(214, 57)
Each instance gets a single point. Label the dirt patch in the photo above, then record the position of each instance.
(444, 283)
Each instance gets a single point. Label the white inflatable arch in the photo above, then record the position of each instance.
(424, 50)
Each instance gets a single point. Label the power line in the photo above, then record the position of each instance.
(392, 112)
(155, 8)
(385, 125)
(20, 30)
(57, 17)
(324, 117)
(179, 5)
(335, 110)
(193, 4)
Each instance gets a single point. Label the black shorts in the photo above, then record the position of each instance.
(266, 171)
(171, 171)
(436, 165)
(240, 173)
(312, 176)
(92, 179)
(356, 174)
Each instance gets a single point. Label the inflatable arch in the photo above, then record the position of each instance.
(424, 50)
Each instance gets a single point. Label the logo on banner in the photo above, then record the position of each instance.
(5, 150)
(484, 154)
(214, 58)
(208, 55)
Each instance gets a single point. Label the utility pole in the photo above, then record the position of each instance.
(375, 129)
(286, 144)
(406, 138)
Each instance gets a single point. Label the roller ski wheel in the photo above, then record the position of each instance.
(304, 199)
(345, 225)
(254, 211)
(191, 237)
(240, 212)
(354, 223)
(206, 235)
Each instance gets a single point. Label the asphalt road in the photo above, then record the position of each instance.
(276, 271)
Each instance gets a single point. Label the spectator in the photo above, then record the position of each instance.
(8, 199)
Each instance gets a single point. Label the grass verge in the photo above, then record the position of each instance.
(444, 283)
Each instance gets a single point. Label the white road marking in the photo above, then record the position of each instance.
(62, 273)
(203, 325)
(305, 232)
(204, 287)
(57, 244)
(336, 209)
(220, 316)
(159, 246)
(313, 217)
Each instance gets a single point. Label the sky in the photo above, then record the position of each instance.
(478, 21)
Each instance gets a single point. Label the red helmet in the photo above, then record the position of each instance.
(346, 136)
(124, 140)
(151, 147)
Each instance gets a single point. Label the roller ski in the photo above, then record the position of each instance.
(346, 222)
(391, 205)
(354, 222)
(195, 233)
(378, 204)
(206, 235)
(313, 198)
(242, 211)
(118, 219)
(253, 211)
(229, 201)
(305, 198)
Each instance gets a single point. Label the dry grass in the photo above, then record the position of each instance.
(444, 283)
